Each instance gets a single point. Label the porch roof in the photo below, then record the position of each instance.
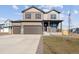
(35, 20)
(54, 20)
(27, 21)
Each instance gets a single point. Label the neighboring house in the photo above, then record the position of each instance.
(6, 26)
(75, 30)
(36, 21)
(1, 27)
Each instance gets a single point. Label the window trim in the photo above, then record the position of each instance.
(29, 14)
(53, 16)
(38, 17)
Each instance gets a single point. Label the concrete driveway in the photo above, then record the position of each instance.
(19, 43)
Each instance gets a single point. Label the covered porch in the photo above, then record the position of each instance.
(52, 26)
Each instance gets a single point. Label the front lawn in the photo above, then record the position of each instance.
(60, 45)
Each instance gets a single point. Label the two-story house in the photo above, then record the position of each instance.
(36, 21)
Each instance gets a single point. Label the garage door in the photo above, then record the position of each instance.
(16, 30)
(32, 29)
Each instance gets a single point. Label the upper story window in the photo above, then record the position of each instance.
(38, 16)
(28, 16)
(53, 16)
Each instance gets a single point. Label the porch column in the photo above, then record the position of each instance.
(12, 30)
(42, 27)
(61, 27)
(48, 28)
(22, 29)
(49, 24)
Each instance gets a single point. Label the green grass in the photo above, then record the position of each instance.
(60, 45)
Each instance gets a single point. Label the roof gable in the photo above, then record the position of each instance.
(33, 7)
(40, 10)
(53, 10)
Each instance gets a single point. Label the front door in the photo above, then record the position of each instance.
(54, 27)
(45, 26)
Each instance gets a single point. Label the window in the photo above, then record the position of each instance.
(53, 16)
(53, 25)
(38, 16)
(28, 16)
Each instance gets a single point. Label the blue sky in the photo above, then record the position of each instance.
(13, 12)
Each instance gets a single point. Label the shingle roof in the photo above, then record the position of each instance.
(39, 10)
(53, 10)
(32, 7)
(34, 21)
(26, 21)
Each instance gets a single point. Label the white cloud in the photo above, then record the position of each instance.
(17, 13)
(2, 19)
(60, 6)
(72, 12)
(49, 7)
(27, 6)
(46, 6)
(76, 12)
(62, 16)
(62, 12)
(15, 7)
(45, 10)
(68, 11)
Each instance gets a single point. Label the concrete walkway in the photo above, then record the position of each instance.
(19, 44)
